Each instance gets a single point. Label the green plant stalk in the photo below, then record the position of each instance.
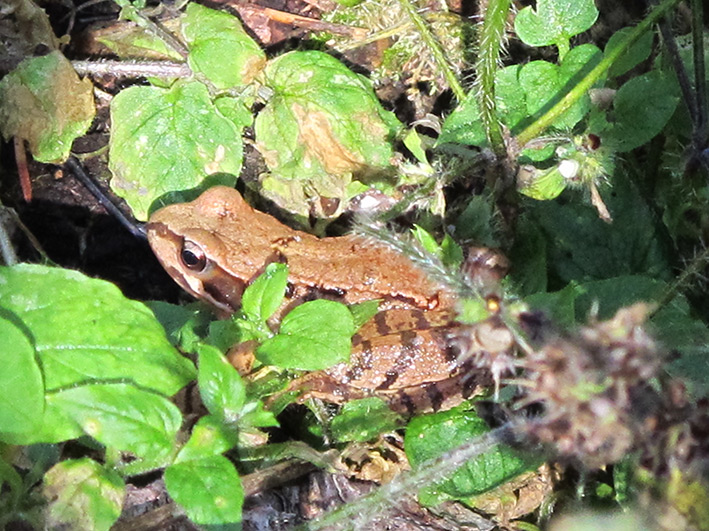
(594, 75)
(435, 49)
(491, 36)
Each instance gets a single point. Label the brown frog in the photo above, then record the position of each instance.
(217, 245)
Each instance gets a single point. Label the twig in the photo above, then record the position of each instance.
(22, 170)
(300, 21)
(161, 69)
(136, 229)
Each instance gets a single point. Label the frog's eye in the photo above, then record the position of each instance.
(193, 257)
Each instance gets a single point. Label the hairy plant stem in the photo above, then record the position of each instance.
(435, 48)
(491, 37)
(159, 69)
(695, 267)
(355, 515)
(700, 84)
(594, 75)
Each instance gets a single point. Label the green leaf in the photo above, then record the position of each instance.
(426, 239)
(209, 490)
(83, 495)
(451, 252)
(559, 306)
(362, 420)
(219, 47)
(44, 102)
(322, 127)
(364, 311)
(609, 295)
(679, 331)
(314, 336)
(84, 329)
(641, 108)
(581, 247)
(220, 386)
(554, 21)
(544, 83)
(633, 56)
(529, 256)
(123, 417)
(430, 436)
(167, 140)
(210, 436)
(463, 125)
(22, 398)
(184, 325)
(265, 294)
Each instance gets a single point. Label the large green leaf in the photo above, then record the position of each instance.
(84, 329)
(430, 436)
(168, 140)
(322, 127)
(22, 397)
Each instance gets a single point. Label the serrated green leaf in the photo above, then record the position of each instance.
(123, 417)
(554, 21)
(84, 329)
(265, 294)
(22, 398)
(463, 125)
(209, 490)
(641, 108)
(362, 420)
(633, 56)
(220, 386)
(581, 247)
(44, 102)
(322, 127)
(219, 47)
(169, 140)
(313, 336)
(607, 296)
(451, 252)
(429, 436)
(83, 495)
(426, 239)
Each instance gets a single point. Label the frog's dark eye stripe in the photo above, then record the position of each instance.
(193, 257)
